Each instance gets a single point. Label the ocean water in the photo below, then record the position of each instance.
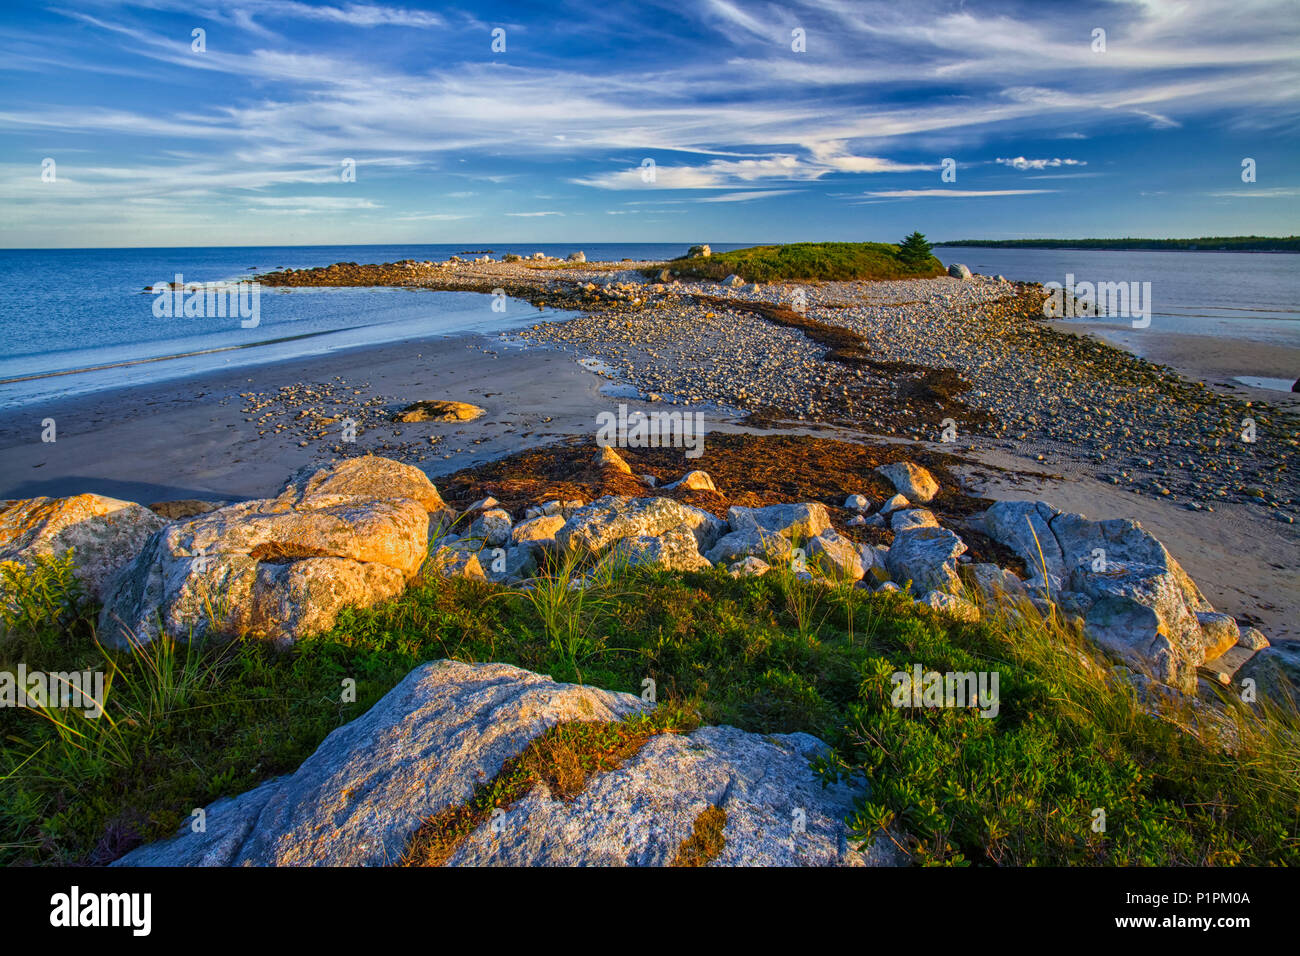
(1245, 296)
(80, 320)
(65, 314)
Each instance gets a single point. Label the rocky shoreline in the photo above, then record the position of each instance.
(973, 353)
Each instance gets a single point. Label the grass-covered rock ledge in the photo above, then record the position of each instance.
(811, 586)
(813, 262)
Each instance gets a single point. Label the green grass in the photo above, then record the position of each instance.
(806, 262)
(190, 724)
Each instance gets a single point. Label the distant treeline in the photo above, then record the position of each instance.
(1207, 243)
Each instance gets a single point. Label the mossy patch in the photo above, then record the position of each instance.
(561, 761)
(707, 840)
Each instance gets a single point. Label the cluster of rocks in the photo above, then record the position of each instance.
(359, 531)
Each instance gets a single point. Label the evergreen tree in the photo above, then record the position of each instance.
(914, 250)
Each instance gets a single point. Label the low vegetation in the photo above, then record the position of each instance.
(188, 724)
(810, 262)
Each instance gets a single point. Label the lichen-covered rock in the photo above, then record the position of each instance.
(456, 559)
(104, 534)
(1218, 632)
(366, 476)
(834, 556)
(613, 517)
(674, 550)
(449, 727)
(858, 503)
(911, 480)
(928, 558)
(246, 568)
(538, 533)
(912, 518)
(798, 522)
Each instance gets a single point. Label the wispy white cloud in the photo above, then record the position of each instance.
(1019, 162)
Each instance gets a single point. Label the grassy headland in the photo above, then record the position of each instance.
(808, 262)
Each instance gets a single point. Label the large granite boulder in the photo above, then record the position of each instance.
(104, 534)
(278, 568)
(449, 727)
(1144, 606)
(1137, 601)
(609, 519)
(774, 810)
(425, 746)
(366, 476)
(796, 522)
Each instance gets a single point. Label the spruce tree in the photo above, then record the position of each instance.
(914, 250)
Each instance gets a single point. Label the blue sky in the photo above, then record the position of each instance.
(243, 142)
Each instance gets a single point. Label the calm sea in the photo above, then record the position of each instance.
(1234, 295)
(70, 311)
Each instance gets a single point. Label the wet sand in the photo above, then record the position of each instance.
(189, 438)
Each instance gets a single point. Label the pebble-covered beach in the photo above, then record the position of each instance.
(1020, 385)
